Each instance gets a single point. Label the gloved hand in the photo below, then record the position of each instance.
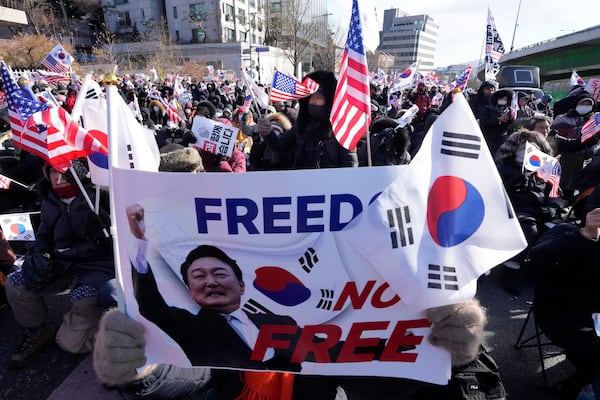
(188, 137)
(119, 348)
(263, 126)
(458, 328)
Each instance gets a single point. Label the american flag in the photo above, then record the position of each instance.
(550, 171)
(246, 106)
(590, 127)
(54, 136)
(351, 111)
(554, 180)
(52, 77)
(173, 114)
(463, 78)
(58, 60)
(4, 182)
(288, 88)
(20, 105)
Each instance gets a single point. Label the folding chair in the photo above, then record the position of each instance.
(525, 342)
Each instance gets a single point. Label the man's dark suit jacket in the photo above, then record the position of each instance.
(206, 338)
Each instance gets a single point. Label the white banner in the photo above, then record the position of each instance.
(328, 288)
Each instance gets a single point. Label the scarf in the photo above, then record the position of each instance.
(66, 191)
(266, 386)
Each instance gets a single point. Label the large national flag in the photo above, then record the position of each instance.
(288, 88)
(575, 79)
(135, 146)
(590, 127)
(445, 221)
(351, 111)
(20, 105)
(47, 131)
(494, 49)
(58, 60)
(53, 135)
(404, 80)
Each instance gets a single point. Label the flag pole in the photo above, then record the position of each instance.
(110, 80)
(369, 160)
(86, 196)
(28, 187)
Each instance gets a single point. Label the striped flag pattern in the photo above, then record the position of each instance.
(554, 180)
(20, 105)
(590, 127)
(53, 135)
(351, 111)
(288, 88)
(4, 182)
(463, 78)
(58, 60)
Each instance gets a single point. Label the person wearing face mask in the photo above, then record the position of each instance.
(495, 119)
(566, 132)
(75, 242)
(530, 198)
(311, 139)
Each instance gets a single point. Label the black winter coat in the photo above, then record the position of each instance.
(313, 147)
(529, 194)
(567, 274)
(73, 235)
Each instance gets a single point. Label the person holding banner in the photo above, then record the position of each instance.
(311, 139)
(72, 247)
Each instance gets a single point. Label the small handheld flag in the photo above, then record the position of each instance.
(288, 88)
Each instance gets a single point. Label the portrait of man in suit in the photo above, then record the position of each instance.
(220, 334)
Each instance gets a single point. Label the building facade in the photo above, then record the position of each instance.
(228, 34)
(409, 38)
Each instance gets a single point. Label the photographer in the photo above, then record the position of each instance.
(389, 144)
(495, 119)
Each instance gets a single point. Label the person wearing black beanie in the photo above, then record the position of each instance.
(311, 139)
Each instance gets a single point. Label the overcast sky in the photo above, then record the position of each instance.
(462, 22)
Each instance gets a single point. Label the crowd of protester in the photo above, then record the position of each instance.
(298, 135)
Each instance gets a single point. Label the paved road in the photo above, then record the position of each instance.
(59, 376)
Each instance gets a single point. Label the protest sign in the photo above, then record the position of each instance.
(593, 87)
(325, 289)
(214, 137)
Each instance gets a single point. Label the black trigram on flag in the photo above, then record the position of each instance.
(442, 277)
(460, 145)
(326, 299)
(130, 156)
(254, 307)
(399, 221)
(308, 260)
